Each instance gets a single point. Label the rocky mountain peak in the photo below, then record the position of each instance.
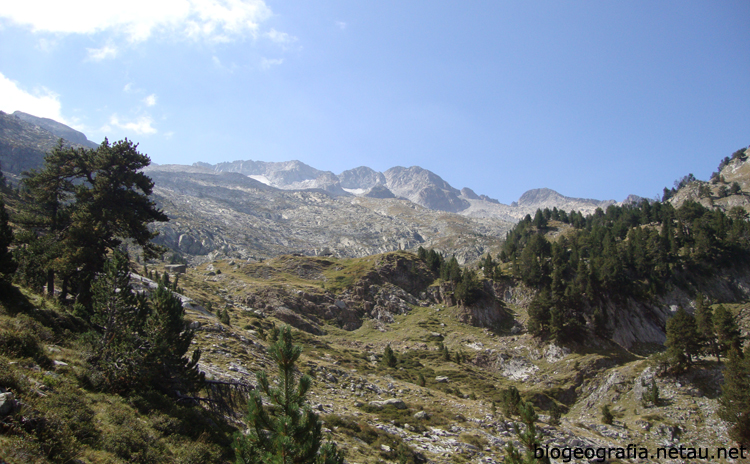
(361, 178)
(548, 198)
(469, 193)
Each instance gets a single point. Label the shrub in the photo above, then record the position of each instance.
(510, 400)
(607, 417)
(554, 414)
(20, 338)
(475, 440)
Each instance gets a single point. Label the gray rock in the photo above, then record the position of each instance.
(7, 403)
(176, 268)
(395, 402)
(421, 415)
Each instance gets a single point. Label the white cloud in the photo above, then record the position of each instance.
(142, 125)
(99, 54)
(46, 45)
(42, 102)
(218, 64)
(150, 100)
(341, 24)
(213, 20)
(266, 63)
(280, 37)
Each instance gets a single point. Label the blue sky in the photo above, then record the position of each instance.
(593, 99)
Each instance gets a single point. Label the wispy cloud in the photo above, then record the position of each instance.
(221, 66)
(40, 102)
(211, 20)
(150, 100)
(281, 38)
(267, 63)
(141, 126)
(46, 45)
(341, 24)
(104, 53)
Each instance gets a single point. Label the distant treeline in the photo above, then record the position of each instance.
(630, 250)
(466, 284)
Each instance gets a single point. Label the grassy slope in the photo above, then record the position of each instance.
(460, 426)
(43, 362)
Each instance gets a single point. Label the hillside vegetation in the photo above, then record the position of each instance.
(406, 357)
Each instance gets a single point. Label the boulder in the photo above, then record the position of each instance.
(7, 403)
(176, 268)
(395, 402)
(421, 415)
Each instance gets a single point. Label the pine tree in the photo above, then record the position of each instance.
(168, 339)
(48, 196)
(450, 270)
(528, 438)
(488, 266)
(682, 339)
(555, 413)
(4, 188)
(82, 204)
(607, 417)
(510, 401)
(119, 349)
(704, 322)
(7, 263)
(651, 395)
(389, 358)
(288, 431)
(735, 397)
(140, 343)
(728, 334)
(467, 288)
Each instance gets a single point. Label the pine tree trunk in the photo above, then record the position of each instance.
(50, 283)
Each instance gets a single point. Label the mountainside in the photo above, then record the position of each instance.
(543, 197)
(59, 129)
(234, 215)
(720, 192)
(26, 139)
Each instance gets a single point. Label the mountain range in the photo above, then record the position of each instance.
(258, 209)
(415, 184)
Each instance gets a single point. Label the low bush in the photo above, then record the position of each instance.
(21, 337)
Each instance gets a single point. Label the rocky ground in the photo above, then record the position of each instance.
(372, 410)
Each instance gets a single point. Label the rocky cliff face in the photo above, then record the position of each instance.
(424, 187)
(361, 178)
(387, 285)
(716, 194)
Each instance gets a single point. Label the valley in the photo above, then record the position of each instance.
(566, 301)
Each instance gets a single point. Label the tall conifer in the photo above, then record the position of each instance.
(735, 397)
